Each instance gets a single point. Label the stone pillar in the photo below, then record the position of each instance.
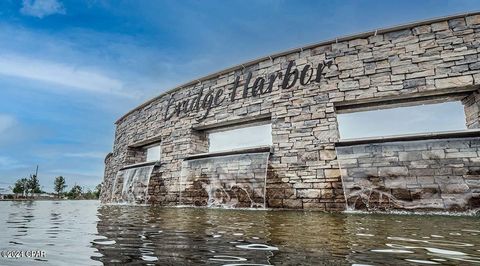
(471, 104)
(199, 142)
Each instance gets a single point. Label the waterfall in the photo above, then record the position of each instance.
(131, 185)
(231, 181)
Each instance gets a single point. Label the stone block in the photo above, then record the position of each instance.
(409, 156)
(465, 154)
(454, 82)
(422, 29)
(327, 193)
(439, 26)
(328, 155)
(401, 194)
(323, 185)
(348, 85)
(292, 203)
(426, 179)
(319, 206)
(332, 173)
(395, 182)
(309, 193)
(274, 203)
(421, 74)
(455, 202)
(412, 83)
(433, 154)
(392, 171)
(337, 206)
(403, 69)
(289, 159)
(473, 20)
(275, 193)
(473, 184)
(457, 24)
(385, 88)
(397, 34)
(454, 188)
(357, 42)
(444, 180)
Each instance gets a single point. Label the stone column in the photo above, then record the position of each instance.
(471, 104)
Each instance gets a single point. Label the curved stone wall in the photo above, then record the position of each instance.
(301, 91)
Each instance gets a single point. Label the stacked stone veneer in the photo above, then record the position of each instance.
(433, 58)
(225, 181)
(472, 110)
(424, 174)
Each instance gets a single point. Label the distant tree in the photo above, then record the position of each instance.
(75, 192)
(21, 186)
(98, 190)
(89, 195)
(59, 185)
(33, 185)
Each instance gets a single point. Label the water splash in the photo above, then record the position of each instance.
(232, 181)
(227, 258)
(257, 247)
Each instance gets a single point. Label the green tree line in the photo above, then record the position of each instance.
(28, 187)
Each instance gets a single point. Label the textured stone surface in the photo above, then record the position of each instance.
(431, 57)
(424, 179)
(472, 110)
(225, 181)
(454, 82)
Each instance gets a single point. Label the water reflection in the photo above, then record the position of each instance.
(84, 233)
(61, 229)
(238, 237)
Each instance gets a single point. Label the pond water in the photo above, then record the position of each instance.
(87, 233)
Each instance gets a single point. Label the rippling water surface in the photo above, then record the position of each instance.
(86, 233)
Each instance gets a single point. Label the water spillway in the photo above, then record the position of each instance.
(229, 181)
(131, 185)
(411, 174)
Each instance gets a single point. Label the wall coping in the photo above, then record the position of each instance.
(229, 152)
(300, 49)
(235, 123)
(155, 163)
(411, 137)
(429, 97)
(146, 142)
(110, 154)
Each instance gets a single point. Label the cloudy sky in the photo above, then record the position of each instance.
(69, 69)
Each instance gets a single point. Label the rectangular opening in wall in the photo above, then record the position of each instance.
(239, 137)
(153, 153)
(438, 117)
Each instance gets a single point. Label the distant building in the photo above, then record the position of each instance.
(5, 192)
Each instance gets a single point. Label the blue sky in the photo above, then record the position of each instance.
(69, 69)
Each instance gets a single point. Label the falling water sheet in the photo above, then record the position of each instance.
(231, 181)
(131, 185)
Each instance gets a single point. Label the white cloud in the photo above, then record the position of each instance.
(94, 155)
(6, 123)
(9, 163)
(60, 74)
(4, 161)
(42, 8)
